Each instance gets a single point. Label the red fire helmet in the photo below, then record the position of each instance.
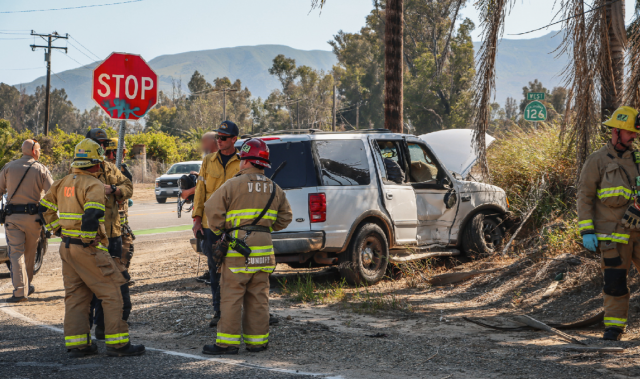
(255, 151)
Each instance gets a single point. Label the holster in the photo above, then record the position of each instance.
(220, 249)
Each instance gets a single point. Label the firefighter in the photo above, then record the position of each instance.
(87, 266)
(609, 214)
(117, 187)
(216, 169)
(123, 206)
(24, 181)
(247, 208)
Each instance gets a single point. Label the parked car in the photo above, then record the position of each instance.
(167, 184)
(362, 199)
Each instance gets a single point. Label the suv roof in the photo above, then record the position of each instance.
(309, 134)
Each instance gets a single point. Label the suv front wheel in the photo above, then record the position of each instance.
(483, 235)
(366, 259)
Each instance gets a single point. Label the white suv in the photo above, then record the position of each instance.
(363, 199)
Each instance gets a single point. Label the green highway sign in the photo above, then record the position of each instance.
(535, 111)
(535, 96)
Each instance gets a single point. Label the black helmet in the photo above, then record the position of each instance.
(98, 135)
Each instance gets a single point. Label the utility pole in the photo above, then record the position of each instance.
(357, 114)
(298, 112)
(335, 98)
(224, 100)
(47, 57)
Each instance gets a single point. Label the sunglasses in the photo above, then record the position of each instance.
(223, 138)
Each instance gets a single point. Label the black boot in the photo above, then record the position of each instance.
(204, 277)
(81, 352)
(214, 320)
(217, 350)
(257, 349)
(273, 319)
(99, 333)
(127, 350)
(612, 334)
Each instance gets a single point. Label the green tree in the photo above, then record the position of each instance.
(198, 84)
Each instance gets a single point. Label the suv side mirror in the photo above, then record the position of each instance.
(450, 198)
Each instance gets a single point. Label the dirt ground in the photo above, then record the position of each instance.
(143, 192)
(400, 328)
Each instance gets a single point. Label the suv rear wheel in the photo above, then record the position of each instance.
(366, 259)
(482, 235)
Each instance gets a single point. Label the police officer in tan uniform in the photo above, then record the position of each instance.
(247, 208)
(74, 208)
(25, 181)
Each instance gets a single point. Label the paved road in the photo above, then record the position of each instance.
(151, 215)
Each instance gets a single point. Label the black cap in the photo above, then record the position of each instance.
(228, 127)
(98, 135)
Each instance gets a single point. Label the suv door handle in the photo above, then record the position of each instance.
(389, 196)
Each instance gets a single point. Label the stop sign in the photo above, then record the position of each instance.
(125, 86)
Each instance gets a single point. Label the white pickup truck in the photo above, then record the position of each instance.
(365, 198)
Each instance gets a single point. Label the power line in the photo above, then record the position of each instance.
(13, 39)
(14, 69)
(68, 8)
(81, 52)
(81, 65)
(78, 42)
(566, 19)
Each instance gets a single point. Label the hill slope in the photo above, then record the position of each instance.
(523, 60)
(518, 62)
(247, 63)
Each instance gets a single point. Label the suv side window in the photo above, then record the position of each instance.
(393, 167)
(423, 166)
(342, 162)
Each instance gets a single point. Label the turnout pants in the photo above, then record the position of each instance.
(115, 251)
(23, 234)
(127, 249)
(248, 292)
(209, 240)
(88, 271)
(616, 261)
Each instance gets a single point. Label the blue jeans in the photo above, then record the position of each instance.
(209, 240)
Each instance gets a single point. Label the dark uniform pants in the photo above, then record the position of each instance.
(87, 271)
(209, 240)
(115, 249)
(616, 261)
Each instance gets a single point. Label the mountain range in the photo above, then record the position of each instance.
(518, 62)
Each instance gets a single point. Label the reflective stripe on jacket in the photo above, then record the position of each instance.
(605, 191)
(75, 204)
(239, 202)
(212, 176)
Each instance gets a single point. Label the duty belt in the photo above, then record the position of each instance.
(250, 228)
(72, 241)
(31, 209)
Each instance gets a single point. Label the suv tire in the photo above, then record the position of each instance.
(482, 235)
(161, 200)
(366, 259)
(40, 251)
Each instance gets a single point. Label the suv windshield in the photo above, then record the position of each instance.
(183, 168)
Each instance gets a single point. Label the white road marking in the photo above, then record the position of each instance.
(4, 307)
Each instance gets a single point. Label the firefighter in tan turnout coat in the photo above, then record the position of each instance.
(609, 214)
(233, 209)
(74, 208)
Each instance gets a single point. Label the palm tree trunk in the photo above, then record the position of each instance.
(614, 43)
(393, 70)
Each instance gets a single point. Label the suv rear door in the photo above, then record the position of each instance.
(398, 196)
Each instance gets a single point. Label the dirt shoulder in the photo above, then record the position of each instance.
(380, 331)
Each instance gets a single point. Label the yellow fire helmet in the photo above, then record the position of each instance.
(87, 153)
(113, 145)
(624, 118)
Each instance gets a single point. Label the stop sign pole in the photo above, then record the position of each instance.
(126, 88)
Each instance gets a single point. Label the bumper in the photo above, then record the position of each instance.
(167, 192)
(297, 242)
(4, 254)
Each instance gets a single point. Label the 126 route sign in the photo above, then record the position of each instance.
(535, 111)
(125, 86)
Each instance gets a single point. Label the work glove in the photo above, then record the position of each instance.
(590, 242)
(631, 218)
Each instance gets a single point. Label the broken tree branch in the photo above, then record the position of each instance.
(532, 322)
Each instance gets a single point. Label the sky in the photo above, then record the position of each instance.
(157, 27)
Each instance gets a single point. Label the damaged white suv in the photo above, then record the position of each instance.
(363, 199)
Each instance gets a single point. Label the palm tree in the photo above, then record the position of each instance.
(393, 63)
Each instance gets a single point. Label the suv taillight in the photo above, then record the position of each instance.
(317, 207)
